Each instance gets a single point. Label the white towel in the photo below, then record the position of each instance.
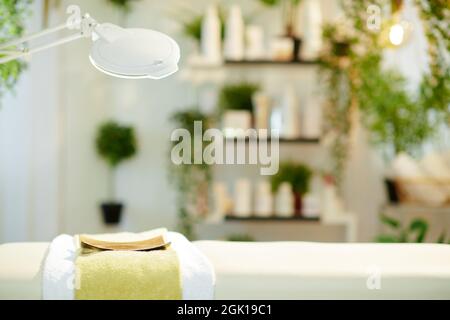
(59, 270)
(197, 273)
(59, 282)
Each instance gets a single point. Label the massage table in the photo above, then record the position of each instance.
(281, 270)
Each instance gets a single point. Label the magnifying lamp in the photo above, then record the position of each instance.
(118, 52)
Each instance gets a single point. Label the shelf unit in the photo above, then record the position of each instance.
(271, 219)
(200, 73)
(243, 63)
(415, 209)
(281, 140)
(347, 220)
(252, 64)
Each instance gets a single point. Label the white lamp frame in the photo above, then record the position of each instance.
(11, 51)
(126, 63)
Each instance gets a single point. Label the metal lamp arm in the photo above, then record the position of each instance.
(10, 52)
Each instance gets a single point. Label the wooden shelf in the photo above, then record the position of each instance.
(270, 63)
(346, 220)
(412, 208)
(252, 64)
(281, 140)
(271, 219)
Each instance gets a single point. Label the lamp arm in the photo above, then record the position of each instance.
(15, 43)
(13, 55)
(86, 27)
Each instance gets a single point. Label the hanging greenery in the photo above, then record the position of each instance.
(12, 17)
(192, 181)
(351, 64)
(115, 143)
(122, 4)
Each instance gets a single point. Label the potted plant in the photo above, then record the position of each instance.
(192, 25)
(298, 176)
(190, 180)
(236, 106)
(115, 144)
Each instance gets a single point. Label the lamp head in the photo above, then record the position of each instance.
(134, 53)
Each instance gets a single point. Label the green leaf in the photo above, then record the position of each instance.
(237, 96)
(12, 20)
(387, 239)
(420, 226)
(297, 174)
(116, 143)
(442, 238)
(391, 222)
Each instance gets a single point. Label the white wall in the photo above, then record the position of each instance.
(53, 181)
(29, 149)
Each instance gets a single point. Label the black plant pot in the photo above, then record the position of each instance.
(392, 191)
(112, 212)
(297, 48)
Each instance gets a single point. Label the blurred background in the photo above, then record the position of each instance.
(358, 90)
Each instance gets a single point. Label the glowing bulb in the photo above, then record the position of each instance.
(397, 34)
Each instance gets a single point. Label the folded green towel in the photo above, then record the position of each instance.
(128, 275)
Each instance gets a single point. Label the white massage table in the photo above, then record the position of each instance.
(281, 270)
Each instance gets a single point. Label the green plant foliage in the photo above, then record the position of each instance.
(192, 180)
(122, 4)
(351, 65)
(12, 17)
(240, 238)
(192, 28)
(237, 96)
(298, 175)
(390, 114)
(186, 119)
(272, 3)
(116, 143)
(415, 232)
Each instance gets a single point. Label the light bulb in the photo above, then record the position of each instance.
(397, 34)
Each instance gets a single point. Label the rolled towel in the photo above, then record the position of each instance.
(406, 168)
(63, 281)
(435, 165)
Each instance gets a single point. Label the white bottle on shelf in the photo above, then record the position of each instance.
(243, 198)
(263, 200)
(311, 206)
(284, 203)
(262, 105)
(221, 201)
(211, 36)
(290, 114)
(234, 35)
(333, 207)
(312, 29)
(254, 36)
(311, 119)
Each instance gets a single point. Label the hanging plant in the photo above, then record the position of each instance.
(124, 5)
(191, 180)
(351, 64)
(13, 14)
